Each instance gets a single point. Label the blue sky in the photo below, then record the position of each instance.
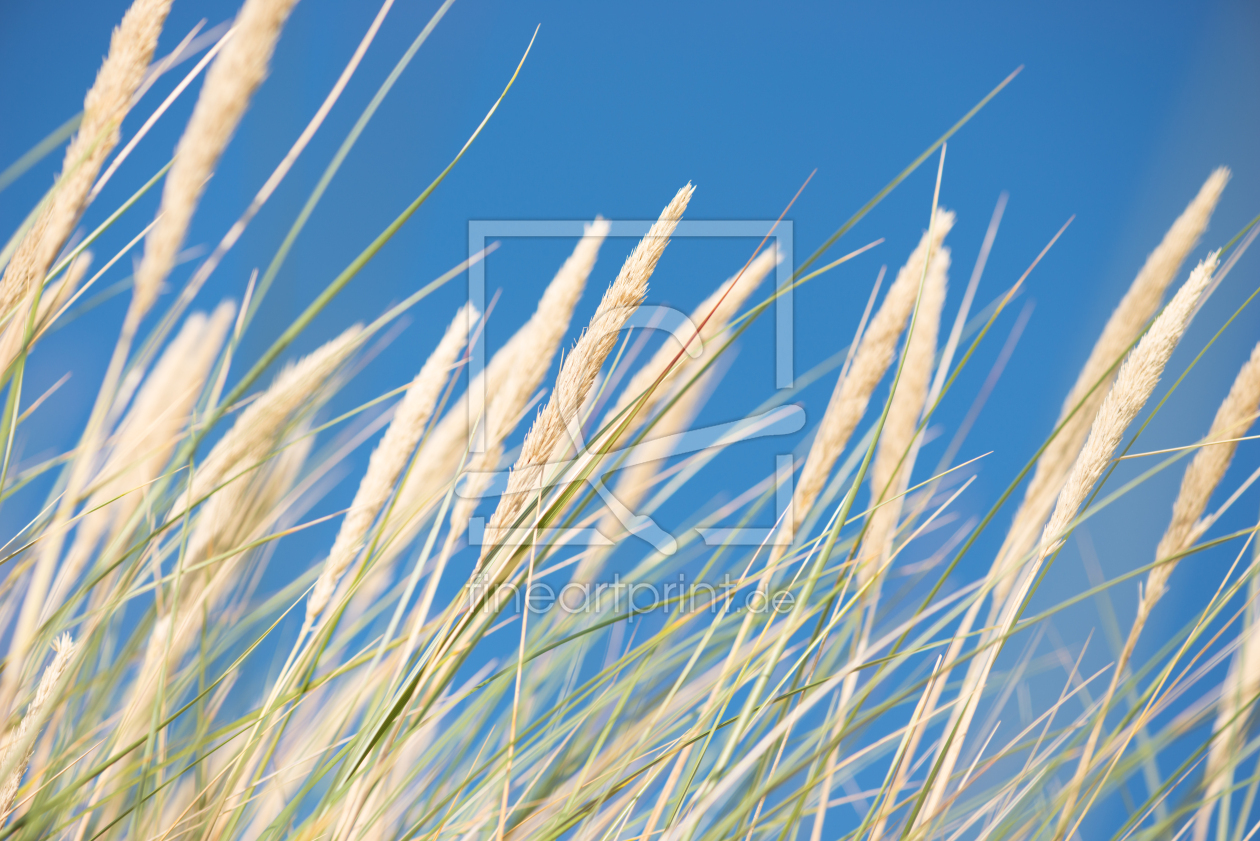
(1120, 113)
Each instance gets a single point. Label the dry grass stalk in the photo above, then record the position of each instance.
(257, 478)
(848, 404)
(1134, 383)
(262, 421)
(715, 314)
(239, 512)
(577, 374)
(1136, 379)
(1238, 694)
(634, 482)
(518, 370)
(13, 334)
(1204, 473)
(1200, 480)
(1124, 325)
(890, 476)
(229, 86)
(236, 514)
(147, 435)
(579, 369)
(1131, 315)
(35, 601)
(529, 354)
(106, 104)
(711, 318)
(144, 689)
(63, 648)
(546, 330)
(390, 458)
(894, 455)
(874, 354)
(510, 378)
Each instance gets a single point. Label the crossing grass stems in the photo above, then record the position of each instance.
(138, 699)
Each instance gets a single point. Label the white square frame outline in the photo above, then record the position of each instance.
(780, 231)
(481, 230)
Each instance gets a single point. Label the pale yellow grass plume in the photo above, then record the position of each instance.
(513, 374)
(1125, 324)
(849, 401)
(1204, 473)
(144, 689)
(583, 363)
(23, 739)
(634, 482)
(529, 353)
(261, 423)
(874, 354)
(719, 309)
(710, 318)
(239, 512)
(147, 436)
(50, 301)
(229, 86)
(890, 476)
(35, 600)
(546, 329)
(1134, 383)
(236, 514)
(1130, 316)
(104, 107)
(894, 455)
(390, 458)
(527, 357)
(1239, 694)
(1137, 378)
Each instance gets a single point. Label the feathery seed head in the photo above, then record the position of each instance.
(23, 739)
(545, 331)
(710, 318)
(260, 425)
(230, 84)
(1134, 383)
(1205, 472)
(894, 455)
(874, 354)
(578, 371)
(106, 104)
(1125, 324)
(390, 458)
(510, 379)
(146, 437)
(53, 297)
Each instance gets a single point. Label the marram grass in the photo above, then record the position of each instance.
(831, 678)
